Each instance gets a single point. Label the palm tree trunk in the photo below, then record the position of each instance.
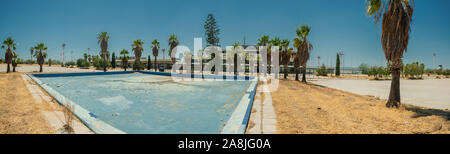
(155, 65)
(14, 69)
(7, 69)
(296, 74)
(285, 71)
(304, 75)
(104, 63)
(394, 95)
(40, 67)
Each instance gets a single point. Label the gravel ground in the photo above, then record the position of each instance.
(432, 93)
(45, 68)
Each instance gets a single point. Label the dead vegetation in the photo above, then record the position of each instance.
(19, 113)
(311, 109)
(68, 119)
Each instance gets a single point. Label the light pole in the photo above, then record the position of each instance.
(434, 60)
(318, 62)
(62, 63)
(164, 56)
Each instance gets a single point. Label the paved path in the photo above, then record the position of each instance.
(264, 116)
(55, 118)
(433, 93)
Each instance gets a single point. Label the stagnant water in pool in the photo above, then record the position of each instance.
(144, 103)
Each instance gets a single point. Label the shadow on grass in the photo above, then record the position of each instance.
(423, 112)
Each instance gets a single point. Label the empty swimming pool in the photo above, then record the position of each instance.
(146, 103)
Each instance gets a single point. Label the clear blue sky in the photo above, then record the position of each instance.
(335, 25)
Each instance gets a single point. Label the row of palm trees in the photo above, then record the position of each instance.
(137, 48)
(11, 56)
(300, 57)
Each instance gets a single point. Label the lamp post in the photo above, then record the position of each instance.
(62, 63)
(318, 62)
(434, 60)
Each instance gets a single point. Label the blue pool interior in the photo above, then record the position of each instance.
(146, 103)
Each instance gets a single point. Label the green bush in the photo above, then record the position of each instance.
(322, 71)
(364, 68)
(138, 67)
(70, 63)
(98, 63)
(83, 63)
(414, 70)
(379, 71)
(29, 61)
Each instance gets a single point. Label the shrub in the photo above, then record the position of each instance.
(414, 70)
(83, 63)
(138, 67)
(322, 71)
(29, 61)
(98, 63)
(364, 68)
(70, 63)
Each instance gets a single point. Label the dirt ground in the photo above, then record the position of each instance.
(19, 113)
(312, 109)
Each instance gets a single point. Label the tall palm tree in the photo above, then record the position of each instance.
(263, 41)
(124, 57)
(102, 39)
(155, 50)
(273, 42)
(235, 56)
(303, 48)
(41, 55)
(10, 45)
(85, 55)
(173, 42)
(396, 25)
(285, 56)
(31, 54)
(137, 49)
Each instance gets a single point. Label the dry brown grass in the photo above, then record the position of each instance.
(19, 113)
(68, 119)
(304, 108)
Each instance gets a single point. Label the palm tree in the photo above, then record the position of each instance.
(137, 49)
(396, 26)
(124, 56)
(173, 42)
(263, 41)
(303, 48)
(31, 54)
(285, 56)
(155, 49)
(235, 57)
(14, 61)
(274, 42)
(10, 46)
(41, 55)
(102, 39)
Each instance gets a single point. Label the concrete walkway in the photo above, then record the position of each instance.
(432, 93)
(56, 117)
(263, 115)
